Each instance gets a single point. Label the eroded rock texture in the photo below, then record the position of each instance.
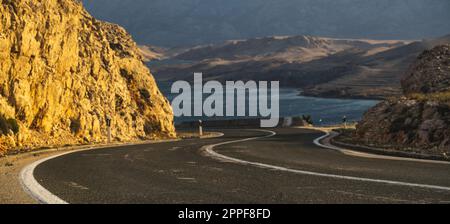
(62, 72)
(420, 120)
(431, 72)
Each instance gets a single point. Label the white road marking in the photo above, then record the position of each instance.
(209, 150)
(187, 178)
(76, 185)
(370, 155)
(32, 186)
(127, 157)
(42, 195)
(174, 148)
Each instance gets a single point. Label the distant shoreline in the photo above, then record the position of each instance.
(349, 97)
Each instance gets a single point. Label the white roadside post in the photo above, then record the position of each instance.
(200, 128)
(108, 125)
(344, 120)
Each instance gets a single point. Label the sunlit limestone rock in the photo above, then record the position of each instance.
(62, 72)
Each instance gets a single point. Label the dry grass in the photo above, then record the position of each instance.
(194, 134)
(440, 97)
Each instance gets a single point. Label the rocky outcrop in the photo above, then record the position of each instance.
(403, 122)
(430, 74)
(420, 120)
(62, 73)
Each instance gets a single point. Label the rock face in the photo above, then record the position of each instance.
(62, 73)
(401, 123)
(420, 120)
(430, 74)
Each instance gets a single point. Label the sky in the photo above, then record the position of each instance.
(175, 23)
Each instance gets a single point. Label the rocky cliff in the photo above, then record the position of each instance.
(419, 120)
(62, 73)
(430, 74)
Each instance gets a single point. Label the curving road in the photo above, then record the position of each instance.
(265, 168)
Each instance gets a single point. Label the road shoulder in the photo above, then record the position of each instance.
(11, 189)
(326, 141)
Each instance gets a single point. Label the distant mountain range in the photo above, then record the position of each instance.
(349, 68)
(171, 23)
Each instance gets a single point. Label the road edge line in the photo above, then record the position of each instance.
(32, 186)
(350, 152)
(209, 150)
(43, 196)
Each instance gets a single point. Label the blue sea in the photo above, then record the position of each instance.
(324, 111)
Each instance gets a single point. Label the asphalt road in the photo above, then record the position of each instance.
(179, 172)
